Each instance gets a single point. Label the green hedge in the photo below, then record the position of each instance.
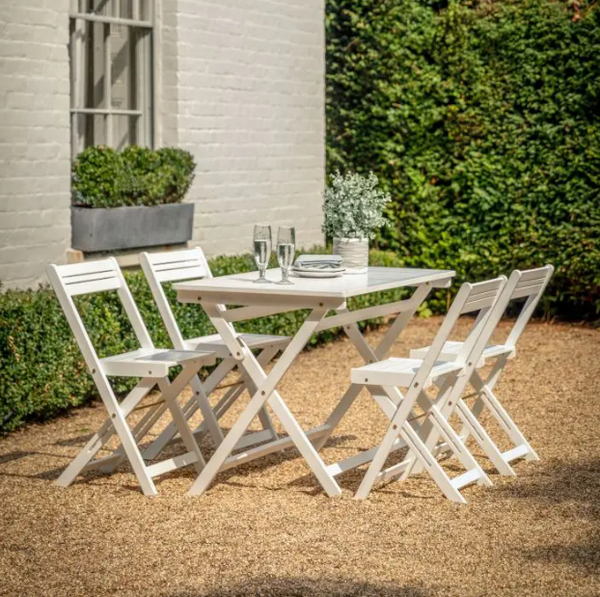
(42, 372)
(103, 177)
(482, 119)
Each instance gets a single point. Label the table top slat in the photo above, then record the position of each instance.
(344, 287)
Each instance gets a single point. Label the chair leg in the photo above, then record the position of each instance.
(418, 449)
(508, 424)
(264, 358)
(170, 431)
(170, 393)
(487, 399)
(93, 446)
(85, 458)
(481, 436)
(432, 466)
(208, 414)
(133, 453)
(140, 431)
(458, 448)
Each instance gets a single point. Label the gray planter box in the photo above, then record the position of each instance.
(119, 228)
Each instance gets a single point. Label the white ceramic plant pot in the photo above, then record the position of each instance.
(354, 252)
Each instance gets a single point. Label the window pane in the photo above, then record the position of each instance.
(111, 72)
(123, 68)
(124, 131)
(130, 61)
(95, 35)
(145, 9)
(124, 9)
(90, 130)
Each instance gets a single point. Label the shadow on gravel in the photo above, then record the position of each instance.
(303, 587)
(576, 487)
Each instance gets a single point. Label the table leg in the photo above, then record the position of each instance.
(371, 356)
(265, 392)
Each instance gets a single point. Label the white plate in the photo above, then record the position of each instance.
(319, 270)
(317, 274)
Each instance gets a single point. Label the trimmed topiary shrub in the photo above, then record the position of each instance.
(103, 177)
(482, 119)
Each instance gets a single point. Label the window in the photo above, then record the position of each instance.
(111, 51)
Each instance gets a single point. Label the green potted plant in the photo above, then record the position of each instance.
(130, 199)
(353, 206)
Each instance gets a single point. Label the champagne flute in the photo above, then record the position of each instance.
(286, 247)
(262, 250)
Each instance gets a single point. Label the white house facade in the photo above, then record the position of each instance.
(238, 83)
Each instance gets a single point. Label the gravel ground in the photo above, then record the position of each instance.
(268, 529)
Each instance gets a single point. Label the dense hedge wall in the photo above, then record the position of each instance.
(41, 369)
(482, 119)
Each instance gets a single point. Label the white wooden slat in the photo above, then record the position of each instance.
(361, 458)
(530, 284)
(181, 273)
(261, 300)
(516, 452)
(477, 305)
(394, 470)
(466, 478)
(171, 464)
(87, 267)
(83, 278)
(363, 314)
(182, 264)
(251, 439)
(101, 462)
(244, 313)
(526, 291)
(482, 287)
(100, 285)
(534, 274)
(489, 294)
(274, 446)
(157, 259)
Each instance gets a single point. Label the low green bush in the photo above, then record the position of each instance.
(103, 177)
(42, 372)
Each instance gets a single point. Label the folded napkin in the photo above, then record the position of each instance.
(322, 262)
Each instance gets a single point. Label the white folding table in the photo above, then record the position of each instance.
(319, 296)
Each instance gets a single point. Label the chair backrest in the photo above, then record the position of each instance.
(87, 278)
(172, 266)
(531, 285)
(471, 298)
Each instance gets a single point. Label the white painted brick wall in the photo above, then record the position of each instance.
(241, 87)
(250, 97)
(34, 139)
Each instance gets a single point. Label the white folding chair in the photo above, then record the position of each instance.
(189, 264)
(529, 285)
(150, 364)
(419, 375)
